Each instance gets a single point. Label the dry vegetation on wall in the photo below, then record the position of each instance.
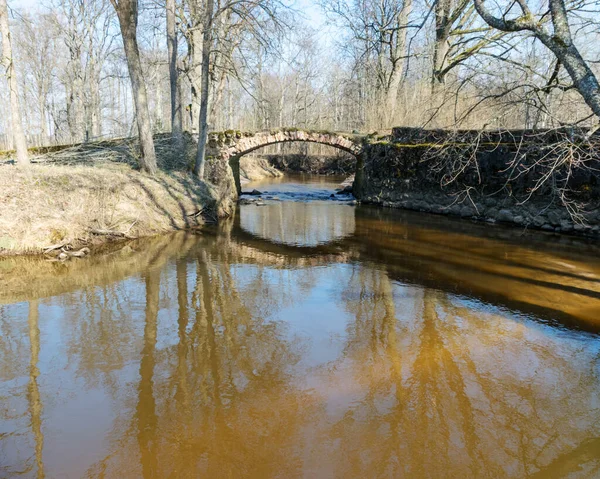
(89, 194)
(547, 179)
(557, 166)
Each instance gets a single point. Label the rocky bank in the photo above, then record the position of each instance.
(547, 180)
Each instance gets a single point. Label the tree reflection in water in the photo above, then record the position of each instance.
(440, 387)
(222, 356)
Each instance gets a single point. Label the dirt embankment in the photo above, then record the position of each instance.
(90, 194)
(255, 168)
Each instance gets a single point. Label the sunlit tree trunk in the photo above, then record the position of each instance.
(127, 11)
(203, 120)
(43, 122)
(176, 113)
(15, 112)
(441, 45)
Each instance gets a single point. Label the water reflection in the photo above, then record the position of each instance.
(227, 355)
(35, 402)
(298, 223)
(444, 388)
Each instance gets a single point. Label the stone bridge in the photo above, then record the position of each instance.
(226, 148)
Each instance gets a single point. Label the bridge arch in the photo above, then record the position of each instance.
(226, 148)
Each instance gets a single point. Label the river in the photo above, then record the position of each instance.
(306, 337)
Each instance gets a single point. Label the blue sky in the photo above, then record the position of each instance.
(313, 12)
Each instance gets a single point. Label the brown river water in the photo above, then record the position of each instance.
(306, 337)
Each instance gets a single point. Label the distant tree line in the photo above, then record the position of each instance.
(79, 70)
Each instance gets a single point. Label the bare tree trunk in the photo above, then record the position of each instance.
(194, 72)
(158, 102)
(95, 106)
(441, 46)
(15, 112)
(582, 75)
(176, 113)
(203, 120)
(391, 97)
(127, 11)
(75, 96)
(230, 121)
(43, 122)
(398, 59)
(216, 98)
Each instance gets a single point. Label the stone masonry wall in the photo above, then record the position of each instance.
(547, 180)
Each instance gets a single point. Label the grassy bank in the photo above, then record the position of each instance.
(90, 195)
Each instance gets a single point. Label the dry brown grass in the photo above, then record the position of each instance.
(46, 204)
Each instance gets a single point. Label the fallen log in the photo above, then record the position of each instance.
(107, 233)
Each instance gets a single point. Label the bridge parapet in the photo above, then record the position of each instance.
(236, 143)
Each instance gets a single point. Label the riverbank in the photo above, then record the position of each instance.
(91, 194)
(87, 195)
(49, 208)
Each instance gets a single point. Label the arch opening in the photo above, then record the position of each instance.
(334, 160)
(293, 157)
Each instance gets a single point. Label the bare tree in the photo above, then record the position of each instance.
(559, 41)
(223, 30)
(379, 30)
(8, 62)
(127, 11)
(35, 41)
(458, 37)
(400, 62)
